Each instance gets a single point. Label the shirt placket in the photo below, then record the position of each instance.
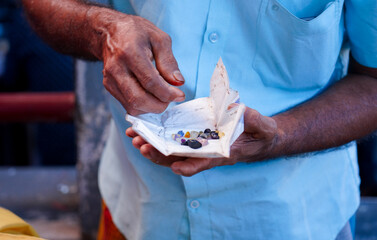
(197, 190)
(214, 38)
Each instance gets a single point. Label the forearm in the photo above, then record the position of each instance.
(345, 112)
(68, 25)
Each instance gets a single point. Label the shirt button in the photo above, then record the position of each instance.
(213, 37)
(275, 7)
(194, 204)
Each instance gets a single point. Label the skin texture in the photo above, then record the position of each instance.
(127, 45)
(345, 112)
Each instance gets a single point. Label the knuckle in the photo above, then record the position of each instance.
(106, 82)
(148, 82)
(166, 39)
(106, 74)
(127, 50)
(109, 69)
(163, 39)
(131, 49)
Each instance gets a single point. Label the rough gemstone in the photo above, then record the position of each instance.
(184, 142)
(194, 134)
(203, 135)
(176, 137)
(203, 141)
(187, 135)
(180, 133)
(207, 130)
(214, 135)
(221, 134)
(195, 144)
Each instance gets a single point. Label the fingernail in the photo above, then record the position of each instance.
(179, 99)
(178, 76)
(176, 170)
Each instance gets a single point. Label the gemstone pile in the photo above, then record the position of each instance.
(195, 139)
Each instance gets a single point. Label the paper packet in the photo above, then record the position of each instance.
(196, 115)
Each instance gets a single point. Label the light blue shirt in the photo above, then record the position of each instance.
(278, 54)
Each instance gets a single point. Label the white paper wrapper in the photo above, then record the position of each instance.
(196, 115)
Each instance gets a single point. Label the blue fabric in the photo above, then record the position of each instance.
(345, 233)
(278, 54)
(352, 223)
(361, 19)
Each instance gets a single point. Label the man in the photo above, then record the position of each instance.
(287, 59)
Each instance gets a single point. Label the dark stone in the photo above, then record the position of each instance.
(192, 143)
(203, 135)
(184, 142)
(207, 130)
(214, 135)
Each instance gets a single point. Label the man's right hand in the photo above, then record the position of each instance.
(129, 46)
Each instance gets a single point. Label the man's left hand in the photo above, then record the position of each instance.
(256, 143)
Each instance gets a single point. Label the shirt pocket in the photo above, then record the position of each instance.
(293, 53)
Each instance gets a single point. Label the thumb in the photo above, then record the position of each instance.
(165, 61)
(192, 166)
(258, 125)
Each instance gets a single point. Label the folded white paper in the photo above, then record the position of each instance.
(196, 115)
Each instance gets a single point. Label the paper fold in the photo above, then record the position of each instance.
(196, 115)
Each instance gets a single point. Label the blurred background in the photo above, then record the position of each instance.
(53, 124)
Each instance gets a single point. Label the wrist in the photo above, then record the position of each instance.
(281, 146)
(102, 22)
(97, 20)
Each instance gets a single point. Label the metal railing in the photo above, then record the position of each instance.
(37, 107)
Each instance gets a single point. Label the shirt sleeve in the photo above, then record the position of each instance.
(361, 24)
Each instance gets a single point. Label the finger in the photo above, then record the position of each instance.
(192, 166)
(113, 89)
(165, 60)
(129, 92)
(258, 125)
(155, 156)
(232, 105)
(138, 141)
(138, 99)
(131, 133)
(150, 79)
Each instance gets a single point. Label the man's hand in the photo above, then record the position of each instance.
(256, 143)
(344, 112)
(130, 45)
(139, 67)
